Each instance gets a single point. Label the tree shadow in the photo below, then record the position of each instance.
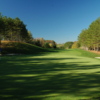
(39, 78)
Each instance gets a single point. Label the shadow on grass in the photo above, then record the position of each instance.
(39, 78)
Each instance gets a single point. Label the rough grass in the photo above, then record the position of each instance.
(21, 48)
(62, 75)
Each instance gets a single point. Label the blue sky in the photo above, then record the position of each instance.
(59, 20)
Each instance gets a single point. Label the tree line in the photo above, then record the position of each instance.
(44, 43)
(90, 38)
(15, 30)
(69, 45)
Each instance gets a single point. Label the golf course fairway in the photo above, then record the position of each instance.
(61, 75)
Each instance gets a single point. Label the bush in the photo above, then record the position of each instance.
(46, 45)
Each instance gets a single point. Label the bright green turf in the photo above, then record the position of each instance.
(62, 75)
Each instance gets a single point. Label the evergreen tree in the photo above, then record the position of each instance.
(90, 37)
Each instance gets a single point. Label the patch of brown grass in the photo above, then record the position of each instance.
(7, 41)
(97, 52)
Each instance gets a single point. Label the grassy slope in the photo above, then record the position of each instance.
(63, 75)
(21, 48)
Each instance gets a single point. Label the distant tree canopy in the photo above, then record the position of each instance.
(60, 46)
(68, 45)
(44, 43)
(13, 29)
(90, 38)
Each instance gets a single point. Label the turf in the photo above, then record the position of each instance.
(22, 48)
(62, 75)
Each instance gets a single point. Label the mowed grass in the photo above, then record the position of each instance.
(62, 75)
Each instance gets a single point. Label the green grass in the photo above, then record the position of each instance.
(87, 53)
(62, 75)
(22, 48)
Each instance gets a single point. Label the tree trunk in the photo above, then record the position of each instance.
(94, 48)
(97, 47)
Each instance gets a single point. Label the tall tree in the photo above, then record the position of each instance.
(1, 28)
(91, 36)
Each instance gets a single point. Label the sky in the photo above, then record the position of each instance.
(58, 20)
